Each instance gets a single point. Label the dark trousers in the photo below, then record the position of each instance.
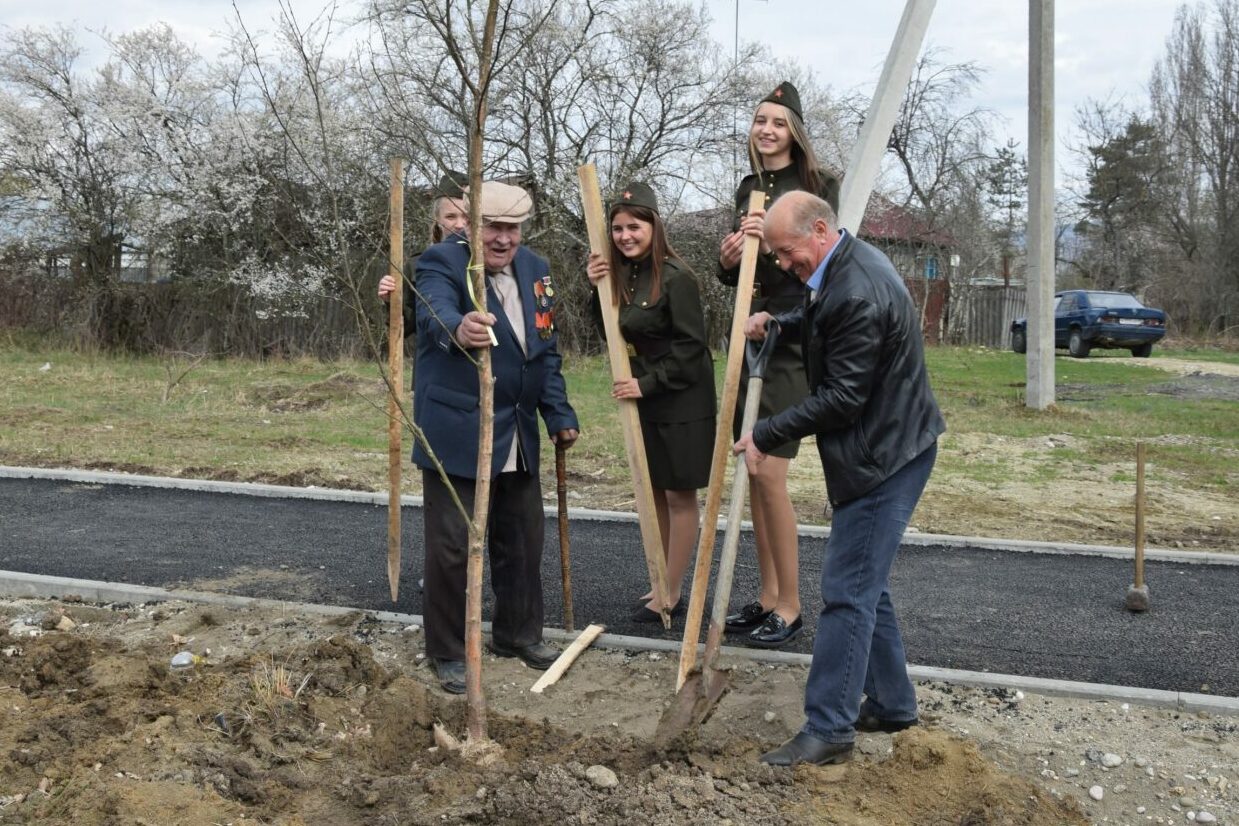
(514, 540)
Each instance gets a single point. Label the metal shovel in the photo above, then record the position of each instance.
(706, 684)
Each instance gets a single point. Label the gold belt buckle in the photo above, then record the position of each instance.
(632, 351)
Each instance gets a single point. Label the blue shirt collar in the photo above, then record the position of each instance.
(815, 281)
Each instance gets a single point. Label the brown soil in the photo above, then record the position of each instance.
(296, 719)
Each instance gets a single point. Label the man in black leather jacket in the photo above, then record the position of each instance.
(877, 424)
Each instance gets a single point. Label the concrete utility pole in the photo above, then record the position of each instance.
(1039, 363)
(875, 132)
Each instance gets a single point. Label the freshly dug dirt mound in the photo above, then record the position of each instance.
(294, 720)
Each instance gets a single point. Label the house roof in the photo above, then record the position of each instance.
(884, 221)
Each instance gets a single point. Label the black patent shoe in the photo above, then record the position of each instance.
(644, 614)
(805, 748)
(746, 619)
(775, 631)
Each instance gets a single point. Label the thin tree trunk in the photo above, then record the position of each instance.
(476, 723)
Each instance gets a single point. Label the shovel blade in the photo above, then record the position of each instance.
(692, 706)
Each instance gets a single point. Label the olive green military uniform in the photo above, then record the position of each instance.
(775, 290)
(670, 359)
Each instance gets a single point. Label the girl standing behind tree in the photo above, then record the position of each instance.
(662, 320)
(782, 160)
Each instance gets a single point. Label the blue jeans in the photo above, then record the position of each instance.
(858, 649)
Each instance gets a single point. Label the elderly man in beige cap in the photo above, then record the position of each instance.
(520, 312)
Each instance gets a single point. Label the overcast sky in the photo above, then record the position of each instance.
(1104, 47)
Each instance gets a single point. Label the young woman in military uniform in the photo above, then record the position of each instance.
(662, 320)
(782, 160)
(450, 214)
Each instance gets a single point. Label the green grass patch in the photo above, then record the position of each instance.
(307, 422)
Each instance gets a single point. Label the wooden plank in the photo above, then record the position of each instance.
(722, 447)
(621, 370)
(395, 366)
(566, 659)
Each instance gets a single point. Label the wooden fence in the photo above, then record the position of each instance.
(982, 315)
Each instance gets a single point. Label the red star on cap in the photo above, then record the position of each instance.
(778, 93)
(627, 196)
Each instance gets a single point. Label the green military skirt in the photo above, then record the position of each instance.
(785, 385)
(679, 453)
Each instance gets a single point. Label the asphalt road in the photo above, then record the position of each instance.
(1018, 613)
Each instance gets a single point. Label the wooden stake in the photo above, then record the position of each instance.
(722, 447)
(1139, 514)
(565, 557)
(621, 370)
(567, 658)
(395, 367)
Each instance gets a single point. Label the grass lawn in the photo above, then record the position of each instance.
(1064, 474)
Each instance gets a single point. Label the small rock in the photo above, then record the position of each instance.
(868, 746)
(1071, 772)
(655, 656)
(65, 624)
(1093, 755)
(1110, 760)
(1096, 792)
(1205, 817)
(1120, 788)
(770, 716)
(1140, 810)
(1140, 762)
(602, 777)
(1187, 802)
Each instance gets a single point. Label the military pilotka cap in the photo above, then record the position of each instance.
(638, 195)
(785, 94)
(504, 204)
(452, 184)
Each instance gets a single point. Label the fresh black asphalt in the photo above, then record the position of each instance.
(1054, 616)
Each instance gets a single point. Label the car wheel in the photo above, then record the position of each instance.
(1019, 341)
(1143, 351)
(1077, 346)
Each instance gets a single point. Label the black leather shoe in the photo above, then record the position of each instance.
(746, 619)
(539, 655)
(775, 631)
(644, 614)
(869, 723)
(451, 674)
(805, 748)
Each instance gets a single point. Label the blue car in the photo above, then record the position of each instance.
(1084, 319)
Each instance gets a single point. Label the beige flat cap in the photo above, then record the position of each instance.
(504, 204)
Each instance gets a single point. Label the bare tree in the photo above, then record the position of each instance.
(1195, 99)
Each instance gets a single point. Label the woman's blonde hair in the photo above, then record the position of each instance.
(807, 166)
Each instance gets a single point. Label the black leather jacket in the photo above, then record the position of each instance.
(869, 404)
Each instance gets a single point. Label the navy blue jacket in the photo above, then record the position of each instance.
(445, 398)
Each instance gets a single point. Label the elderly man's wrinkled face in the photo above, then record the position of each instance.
(499, 243)
(798, 254)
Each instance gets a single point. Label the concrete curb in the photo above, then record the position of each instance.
(17, 584)
(817, 531)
